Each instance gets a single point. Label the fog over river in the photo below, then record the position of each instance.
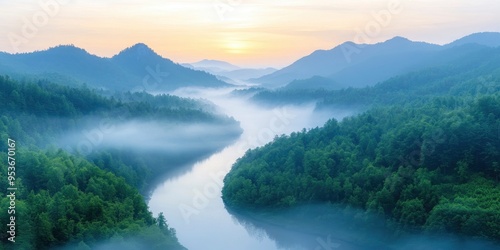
(192, 204)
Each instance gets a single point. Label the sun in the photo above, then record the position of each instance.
(236, 46)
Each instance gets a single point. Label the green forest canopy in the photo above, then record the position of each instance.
(65, 199)
(432, 166)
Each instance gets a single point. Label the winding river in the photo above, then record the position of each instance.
(192, 202)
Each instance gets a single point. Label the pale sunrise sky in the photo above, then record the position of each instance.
(252, 33)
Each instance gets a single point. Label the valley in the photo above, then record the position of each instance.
(397, 147)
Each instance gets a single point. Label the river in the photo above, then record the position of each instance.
(192, 202)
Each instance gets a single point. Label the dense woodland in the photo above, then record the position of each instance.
(63, 199)
(45, 99)
(83, 200)
(36, 113)
(425, 153)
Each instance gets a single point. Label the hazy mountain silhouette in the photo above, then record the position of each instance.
(245, 74)
(490, 39)
(135, 68)
(360, 65)
(212, 66)
(227, 71)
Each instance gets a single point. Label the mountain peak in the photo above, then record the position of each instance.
(140, 46)
(210, 61)
(66, 47)
(214, 65)
(490, 39)
(138, 50)
(65, 51)
(398, 39)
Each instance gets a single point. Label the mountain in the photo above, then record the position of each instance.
(463, 70)
(65, 62)
(227, 71)
(245, 74)
(155, 70)
(490, 39)
(135, 68)
(360, 65)
(378, 61)
(213, 66)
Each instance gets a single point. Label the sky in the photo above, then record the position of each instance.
(248, 33)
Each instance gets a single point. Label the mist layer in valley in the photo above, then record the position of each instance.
(314, 226)
(166, 148)
(193, 199)
(185, 146)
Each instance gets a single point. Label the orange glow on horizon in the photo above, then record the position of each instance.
(252, 33)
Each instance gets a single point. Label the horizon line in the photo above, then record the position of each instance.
(243, 67)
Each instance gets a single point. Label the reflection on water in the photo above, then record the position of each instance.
(193, 206)
(317, 227)
(192, 202)
(328, 227)
(164, 148)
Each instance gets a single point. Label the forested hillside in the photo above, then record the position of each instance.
(65, 200)
(428, 165)
(45, 99)
(40, 114)
(85, 199)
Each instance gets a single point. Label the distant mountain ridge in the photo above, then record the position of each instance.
(229, 71)
(135, 68)
(360, 65)
(212, 65)
(140, 68)
(490, 39)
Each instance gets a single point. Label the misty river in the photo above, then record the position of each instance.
(192, 204)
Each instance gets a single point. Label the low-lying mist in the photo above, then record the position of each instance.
(251, 113)
(166, 149)
(151, 136)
